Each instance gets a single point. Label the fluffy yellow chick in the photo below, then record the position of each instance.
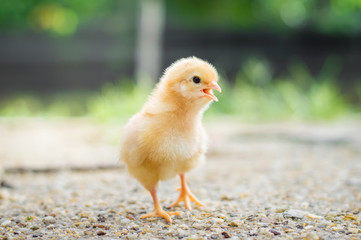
(166, 137)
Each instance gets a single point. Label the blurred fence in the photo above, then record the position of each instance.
(41, 63)
(229, 49)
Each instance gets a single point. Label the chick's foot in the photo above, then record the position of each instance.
(186, 196)
(160, 213)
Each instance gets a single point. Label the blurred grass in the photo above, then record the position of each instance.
(254, 96)
(117, 101)
(66, 104)
(298, 96)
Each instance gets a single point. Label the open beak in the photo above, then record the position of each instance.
(208, 91)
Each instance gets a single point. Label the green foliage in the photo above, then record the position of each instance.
(358, 92)
(63, 17)
(330, 16)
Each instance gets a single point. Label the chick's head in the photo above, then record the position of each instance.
(192, 79)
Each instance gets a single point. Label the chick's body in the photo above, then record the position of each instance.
(163, 143)
(166, 137)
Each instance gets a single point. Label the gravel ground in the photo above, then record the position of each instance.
(282, 181)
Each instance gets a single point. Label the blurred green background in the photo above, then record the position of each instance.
(278, 60)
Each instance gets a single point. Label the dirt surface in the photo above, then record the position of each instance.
(279, 180)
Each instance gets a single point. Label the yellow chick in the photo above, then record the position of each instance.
(166, 138)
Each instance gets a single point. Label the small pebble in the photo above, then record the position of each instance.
(264, 231)
(225, 198)
(217, 220)
(4, 194)
(101, 233)
(236, 223)
(275, 232)
(226, 235)
(132, 236)
(24, 230)
(84, 215)
(304, 205)
(299, 226)
(49, 220)
(197, 225)
(313, 216)
(101, 218)
(133, 226)
(354, 181)
(354, 230)
(34, 228)
(130, 217)
(51, 226)
(336, 228)
(184, 227)
(312, 236)
(297, 214)
(125, 221)
(267, 220)
(350, 217)
(6, 223)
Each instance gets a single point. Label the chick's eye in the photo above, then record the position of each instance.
(196, 79)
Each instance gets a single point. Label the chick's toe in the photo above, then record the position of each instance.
(161, 213)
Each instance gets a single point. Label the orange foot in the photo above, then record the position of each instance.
(186, 196)
(160, 213)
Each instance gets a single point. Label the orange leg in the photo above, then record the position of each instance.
(186, 195)
(159, 212)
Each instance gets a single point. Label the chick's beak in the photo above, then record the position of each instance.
(208, 93)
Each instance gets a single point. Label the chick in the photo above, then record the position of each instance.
(166, 138)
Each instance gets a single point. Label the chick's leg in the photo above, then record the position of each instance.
(186, 195)
(159, 212)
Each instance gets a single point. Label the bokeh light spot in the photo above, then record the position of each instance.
(53, 18)
(293, 13)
